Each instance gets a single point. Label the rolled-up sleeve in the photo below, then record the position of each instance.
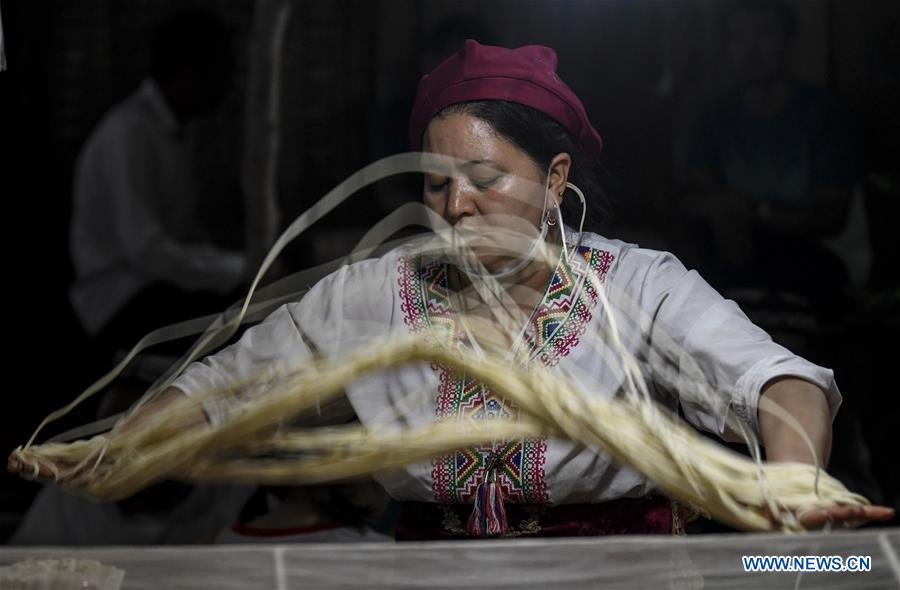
(722, 360)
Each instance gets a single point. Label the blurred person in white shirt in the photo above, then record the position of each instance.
(140, 253)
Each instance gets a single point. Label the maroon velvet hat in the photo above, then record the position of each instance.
(526, 75)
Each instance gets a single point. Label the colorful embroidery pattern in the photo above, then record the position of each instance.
(563, 315)
(520, 472)
(412, 305)
(554, 330)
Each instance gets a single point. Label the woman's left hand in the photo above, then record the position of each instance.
(841, 515)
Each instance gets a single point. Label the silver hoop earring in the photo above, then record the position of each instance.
(583, 210)
(583, 204)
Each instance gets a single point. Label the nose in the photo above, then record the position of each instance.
(460, 201)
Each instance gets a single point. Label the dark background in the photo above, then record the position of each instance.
(349, 72)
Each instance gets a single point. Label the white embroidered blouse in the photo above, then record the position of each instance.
(677, 326)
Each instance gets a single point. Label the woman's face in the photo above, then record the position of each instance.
(491, 186)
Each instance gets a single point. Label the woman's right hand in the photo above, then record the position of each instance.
(17, 465)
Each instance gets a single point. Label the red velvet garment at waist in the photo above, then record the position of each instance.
(649, 515)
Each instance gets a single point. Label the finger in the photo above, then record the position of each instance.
(843, 515)
(25, 470)
(813, 518)
(847, 517)
(861, 514)
(18, 467)
(879, 513)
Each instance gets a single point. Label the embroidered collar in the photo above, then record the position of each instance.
(548, 317)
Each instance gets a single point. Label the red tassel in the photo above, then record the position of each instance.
(488, 518)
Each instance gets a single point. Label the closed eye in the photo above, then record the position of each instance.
(435, 182)
(435, 187)
(484, 183)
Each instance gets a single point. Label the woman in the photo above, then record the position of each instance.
(515, 144)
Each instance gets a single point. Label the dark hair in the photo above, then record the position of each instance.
(781, 10)
(189, 41)
(542, 137)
